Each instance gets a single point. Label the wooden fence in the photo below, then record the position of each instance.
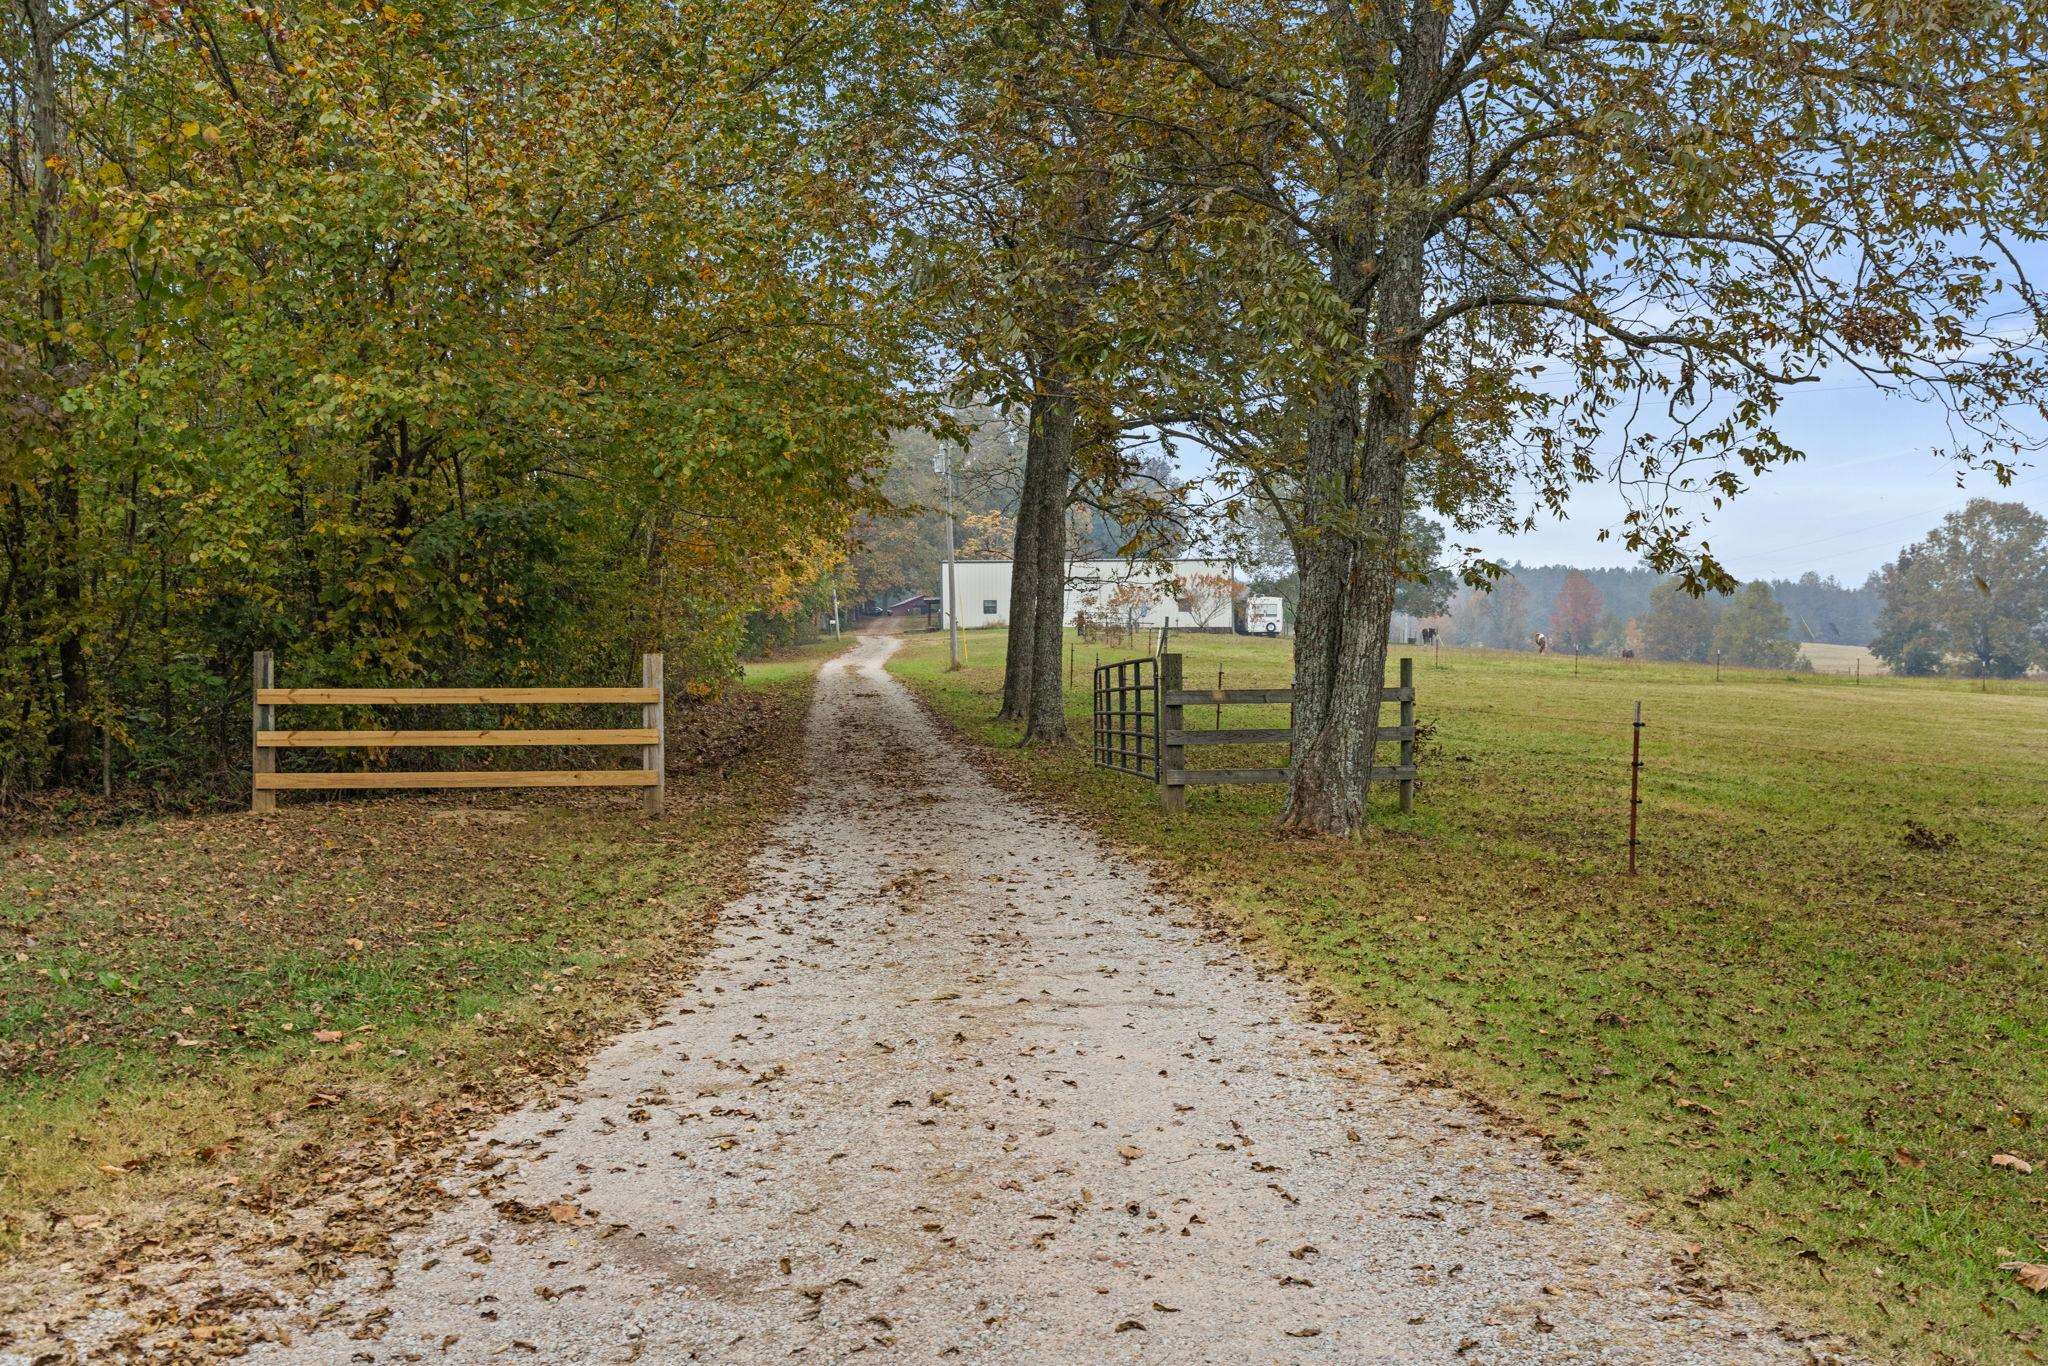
(1165, 745)
(649, 737)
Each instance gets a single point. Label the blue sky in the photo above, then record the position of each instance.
(1868, 487)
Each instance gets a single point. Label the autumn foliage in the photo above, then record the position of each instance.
(416, 345)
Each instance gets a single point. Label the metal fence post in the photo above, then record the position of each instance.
(262, 717)
(1407, 734)
(1172, 756)
(654, 717)
(1635, 785)
(1095, 727)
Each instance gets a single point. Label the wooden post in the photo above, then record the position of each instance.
(1172, 757)
(262, 758)
(654, 717)
(1407, 732)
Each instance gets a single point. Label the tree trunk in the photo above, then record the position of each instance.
(1356, 480)
(1053, 418)
(1323, 796)
(73, 734)
(1017, 657)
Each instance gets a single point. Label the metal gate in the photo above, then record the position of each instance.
(1126, 733)
(1141, 728)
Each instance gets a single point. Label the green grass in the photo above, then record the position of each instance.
(190, 1007)
(1799, 1035)
(792, 661)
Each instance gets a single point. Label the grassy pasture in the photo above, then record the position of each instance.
(201, 1014)
(1853, 660)
(1799, 1036)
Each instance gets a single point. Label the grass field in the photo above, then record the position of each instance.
(1855, 661)
(206, 1015)
(1800, 1035)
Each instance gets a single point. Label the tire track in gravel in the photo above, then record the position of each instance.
(955, 1082)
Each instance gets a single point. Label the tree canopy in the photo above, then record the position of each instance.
(1972, 596)
(419, 342)
(1751, 631)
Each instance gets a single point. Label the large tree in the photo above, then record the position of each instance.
(1753, 631)
(1495, 618)
(1575, 616)
(1679, 625)
(1976, 589)
(1433, 212)
(1023, 196)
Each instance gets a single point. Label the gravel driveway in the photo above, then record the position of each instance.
(956, 1082)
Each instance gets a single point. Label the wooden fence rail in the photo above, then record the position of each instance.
(648, 737)
(1160, 751)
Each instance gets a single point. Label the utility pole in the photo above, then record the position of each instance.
(944, 466)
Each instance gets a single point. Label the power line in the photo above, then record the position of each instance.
(1919, 515)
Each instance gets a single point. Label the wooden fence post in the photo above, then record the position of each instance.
(1407, 733)
(1173, 796)
(654, 717)
(262, 717)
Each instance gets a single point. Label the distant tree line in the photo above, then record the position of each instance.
(1970, 599)
(1748, 628)
(1816, 608)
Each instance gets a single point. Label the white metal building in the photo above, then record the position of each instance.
(1188, 595)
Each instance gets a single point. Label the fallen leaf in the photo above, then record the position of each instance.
(2014, 1161)
(1130, 1152)
(2032, 1275)
(329, 1035)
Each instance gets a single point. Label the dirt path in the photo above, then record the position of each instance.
(956, 1083)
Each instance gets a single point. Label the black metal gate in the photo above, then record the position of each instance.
(1126, 733)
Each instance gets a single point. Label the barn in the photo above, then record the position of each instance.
(1186, 594)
